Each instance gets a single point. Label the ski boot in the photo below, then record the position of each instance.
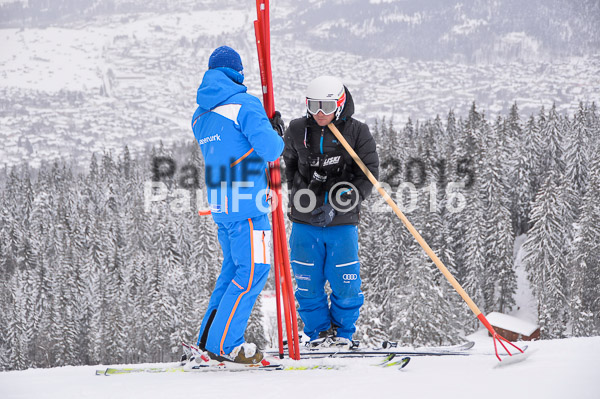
(244, 354)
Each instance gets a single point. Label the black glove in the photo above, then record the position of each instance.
(316, 182)
(322, 216)
(277, 123)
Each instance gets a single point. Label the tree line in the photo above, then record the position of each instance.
(91, 272)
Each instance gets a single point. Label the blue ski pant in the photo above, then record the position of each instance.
(320, 254)
(246, 249)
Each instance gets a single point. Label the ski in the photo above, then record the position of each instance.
(215, 366)
(397, 363)
(387, 348)
(387, 359)
(459, 347)
(388, 362)
(373, 353)
(196, 360)
(313, 367)
(205, 367)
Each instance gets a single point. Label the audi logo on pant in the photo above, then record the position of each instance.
(350, 276)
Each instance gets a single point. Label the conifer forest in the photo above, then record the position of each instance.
(93, 272)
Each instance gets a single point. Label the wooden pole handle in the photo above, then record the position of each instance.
(406, 222)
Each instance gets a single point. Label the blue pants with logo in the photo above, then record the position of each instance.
(320, 254)
(246, 264)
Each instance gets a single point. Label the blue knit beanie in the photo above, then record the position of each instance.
(225, 57)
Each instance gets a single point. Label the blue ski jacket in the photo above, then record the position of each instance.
(237, 142)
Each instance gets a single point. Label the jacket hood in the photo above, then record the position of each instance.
(348, 110)
(216, 87)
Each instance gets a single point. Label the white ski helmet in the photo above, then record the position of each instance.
(325, 94)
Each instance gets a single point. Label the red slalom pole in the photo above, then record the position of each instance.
(277, 271)
(283, 277)
(287, 278)
(276, 252)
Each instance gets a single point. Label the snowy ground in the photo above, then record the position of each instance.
(555, 369)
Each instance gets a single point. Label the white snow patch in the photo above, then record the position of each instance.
(468, 26)
(414, 19)
(526, 303)
(53, 59)
(384, 1)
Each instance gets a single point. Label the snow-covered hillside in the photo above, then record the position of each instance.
(76, 87)
(554, 369)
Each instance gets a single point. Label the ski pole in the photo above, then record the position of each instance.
(423, 244)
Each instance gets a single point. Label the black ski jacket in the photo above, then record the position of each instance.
(310, 148)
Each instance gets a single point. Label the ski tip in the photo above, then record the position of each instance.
(468, 345)
(405, 361)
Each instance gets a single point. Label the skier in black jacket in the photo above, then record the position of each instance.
(326, 190)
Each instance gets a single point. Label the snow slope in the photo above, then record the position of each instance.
(555, 369)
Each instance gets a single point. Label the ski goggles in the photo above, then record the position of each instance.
(327, 107)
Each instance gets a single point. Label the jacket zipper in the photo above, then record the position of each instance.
(322, 134)
(321, 148)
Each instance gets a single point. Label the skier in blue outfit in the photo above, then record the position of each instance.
(237, 141)
(326, 190)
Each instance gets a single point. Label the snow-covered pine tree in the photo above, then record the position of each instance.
(205, 264)
(440, 240)
(532, 147)
(576, 156)
(475, 262)
(592, 119)
(17, 339)
(380, 249)
(465, 164)
(166, 280)
(426, 313)
(451, 131)
(380, 256)
(584, 259)
(518, 168)
(65, 342)
(500, 279)
(116, 329)
(552, 135)
(545, 260)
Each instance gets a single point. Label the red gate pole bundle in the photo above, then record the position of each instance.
(283, 279)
